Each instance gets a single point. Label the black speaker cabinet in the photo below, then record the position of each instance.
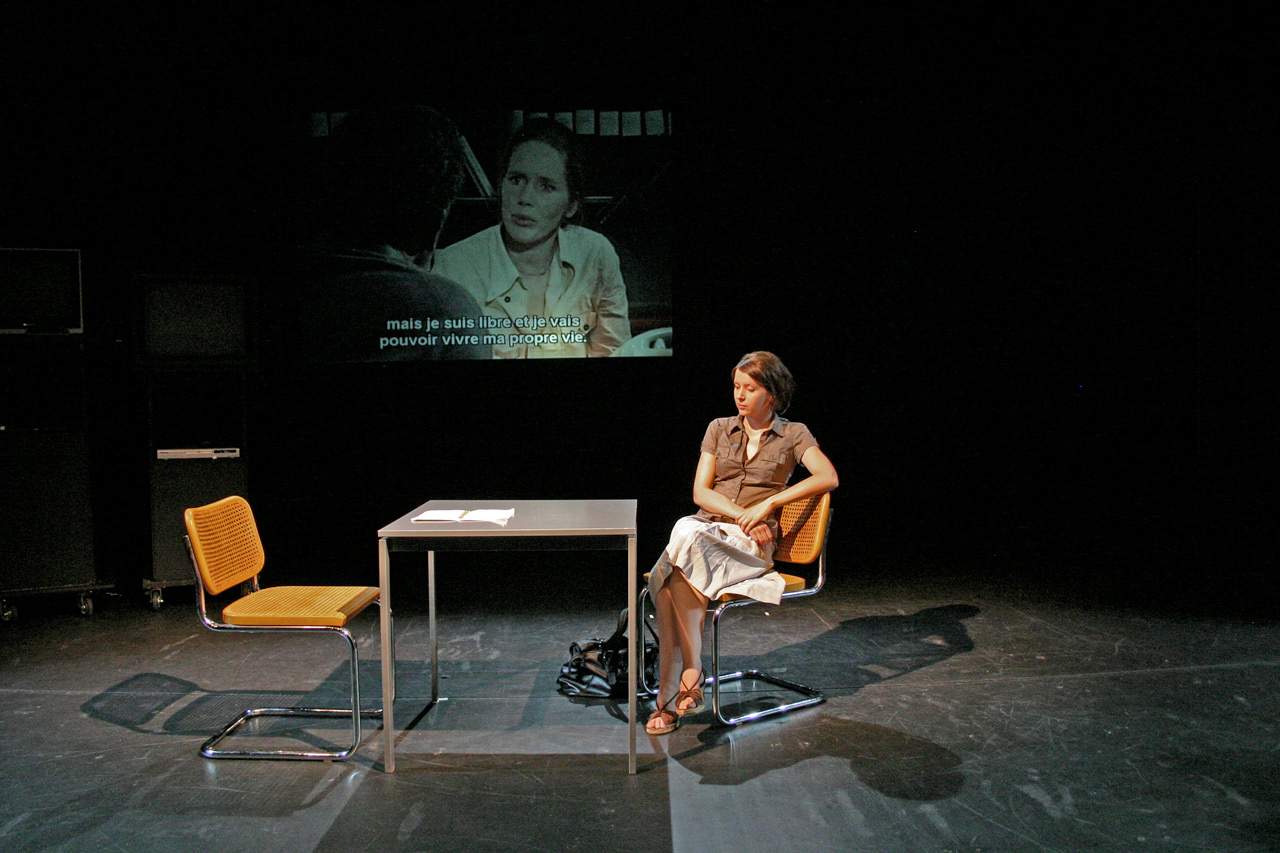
(182, 478)
(46, 520)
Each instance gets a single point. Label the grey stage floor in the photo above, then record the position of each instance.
(965, 713)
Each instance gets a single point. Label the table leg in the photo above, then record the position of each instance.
(635, 651)
(388, 658)
(431, 618)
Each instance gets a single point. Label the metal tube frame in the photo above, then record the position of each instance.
(355, 712)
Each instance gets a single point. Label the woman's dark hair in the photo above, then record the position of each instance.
(393, 173)
(767, 369)
(559, 137)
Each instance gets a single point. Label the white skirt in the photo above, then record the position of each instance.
(718, 558)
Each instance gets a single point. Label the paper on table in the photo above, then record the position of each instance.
(497, 516)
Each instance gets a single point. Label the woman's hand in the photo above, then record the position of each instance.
(754, 514)
(762, 534)
(752, 521)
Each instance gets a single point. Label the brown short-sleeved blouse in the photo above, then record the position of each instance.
(747, 482)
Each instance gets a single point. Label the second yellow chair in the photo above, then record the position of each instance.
(226, 551)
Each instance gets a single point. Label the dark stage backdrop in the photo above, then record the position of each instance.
(1017, 271)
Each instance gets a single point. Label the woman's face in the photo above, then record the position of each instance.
(750, 397)
(535, 194)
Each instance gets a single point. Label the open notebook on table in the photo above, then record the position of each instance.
(497, 516)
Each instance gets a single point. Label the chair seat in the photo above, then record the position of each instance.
(794, 583)
(330, 606)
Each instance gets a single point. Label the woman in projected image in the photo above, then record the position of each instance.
(727, 547)
(552, 289)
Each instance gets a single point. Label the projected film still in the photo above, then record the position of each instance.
(488, 235)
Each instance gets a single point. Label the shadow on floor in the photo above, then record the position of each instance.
(859, 652)
(158, 704)
(897, 765)
(856, 653)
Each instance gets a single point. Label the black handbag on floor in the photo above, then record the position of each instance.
(597, 669)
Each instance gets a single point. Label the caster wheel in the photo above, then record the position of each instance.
(8, 612)
(86, 604)
(157, 598)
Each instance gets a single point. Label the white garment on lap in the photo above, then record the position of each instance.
(718, 558)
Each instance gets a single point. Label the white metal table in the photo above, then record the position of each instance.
(536, 525)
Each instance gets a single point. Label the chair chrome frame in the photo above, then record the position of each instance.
(810, 695)
(208, 750)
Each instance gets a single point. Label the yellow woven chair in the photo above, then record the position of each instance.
(804, 524)
(803, 527)
(226, 551)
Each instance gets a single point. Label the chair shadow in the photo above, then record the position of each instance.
(868, 649)
(855, 654)
(894, 763)
(158, 704)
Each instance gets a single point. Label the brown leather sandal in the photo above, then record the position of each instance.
(670, 722)
(693, 693)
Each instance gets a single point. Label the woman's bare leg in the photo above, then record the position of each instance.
(681, 612)
(691, 609)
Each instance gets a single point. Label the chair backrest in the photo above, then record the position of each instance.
(804, 529)
(224, 542)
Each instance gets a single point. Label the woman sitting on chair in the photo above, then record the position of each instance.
(727, 547)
